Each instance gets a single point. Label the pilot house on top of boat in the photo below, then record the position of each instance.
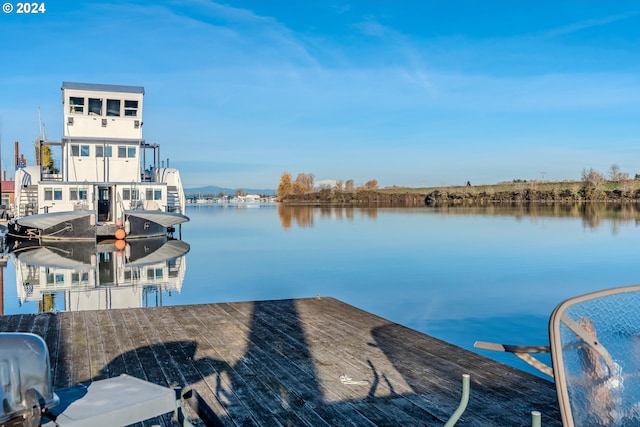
(103, 188)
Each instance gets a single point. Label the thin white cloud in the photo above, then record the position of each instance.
(255, 32)
(371, 27)
(583, 25)
(406, 53)
(341, 8)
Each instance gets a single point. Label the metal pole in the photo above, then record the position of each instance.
(464, 400)
(535, 419)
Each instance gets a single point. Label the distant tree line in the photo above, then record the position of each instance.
(593, 186)
(304, 183)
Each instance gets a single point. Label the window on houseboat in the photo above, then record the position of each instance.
(84, 151)
(85, 277)
(135, 195)
(76, 193)
(57, 194)
(103, 151)
(76, 105)
(153, 194)
(129, 194)
(131, 108)
(124, 152)
(49, 277)
(95, 106)
(75, 150)
(75, 277)
(113, 107)
(48, 193)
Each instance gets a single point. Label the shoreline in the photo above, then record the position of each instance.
(517, 194)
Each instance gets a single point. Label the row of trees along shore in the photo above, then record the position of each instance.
(304, 183)
(616, 186)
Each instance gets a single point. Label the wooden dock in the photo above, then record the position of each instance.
(280, 363)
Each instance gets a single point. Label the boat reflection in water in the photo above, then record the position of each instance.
(98, 276)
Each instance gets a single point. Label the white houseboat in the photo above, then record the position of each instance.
(110, 182)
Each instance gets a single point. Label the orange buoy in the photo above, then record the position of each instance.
(120, 234)
(120, 244)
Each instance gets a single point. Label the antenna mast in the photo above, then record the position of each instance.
(42, 136)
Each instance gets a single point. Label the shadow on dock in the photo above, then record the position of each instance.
(307, 362)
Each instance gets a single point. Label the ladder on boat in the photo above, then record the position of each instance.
(28, 202)
(173, 199)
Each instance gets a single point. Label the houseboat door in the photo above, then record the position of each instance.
(105, 195)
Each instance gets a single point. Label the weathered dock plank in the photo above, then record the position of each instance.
(279, 363)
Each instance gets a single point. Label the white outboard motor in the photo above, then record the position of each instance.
(26, 388)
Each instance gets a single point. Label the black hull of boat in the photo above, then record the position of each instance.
(82, 227)
(83, 253)
(72, 229)
(140, 228)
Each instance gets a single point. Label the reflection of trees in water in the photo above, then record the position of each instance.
(618, 213)
(371, 213)
(47, 304)
(339, 212)
(592, 213)
(304, 216)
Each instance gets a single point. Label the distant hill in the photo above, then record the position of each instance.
(215, 190)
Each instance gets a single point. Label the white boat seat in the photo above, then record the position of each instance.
(116, 401)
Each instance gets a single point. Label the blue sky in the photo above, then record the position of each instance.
(411, 93)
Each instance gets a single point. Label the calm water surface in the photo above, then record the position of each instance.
(458, 274)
